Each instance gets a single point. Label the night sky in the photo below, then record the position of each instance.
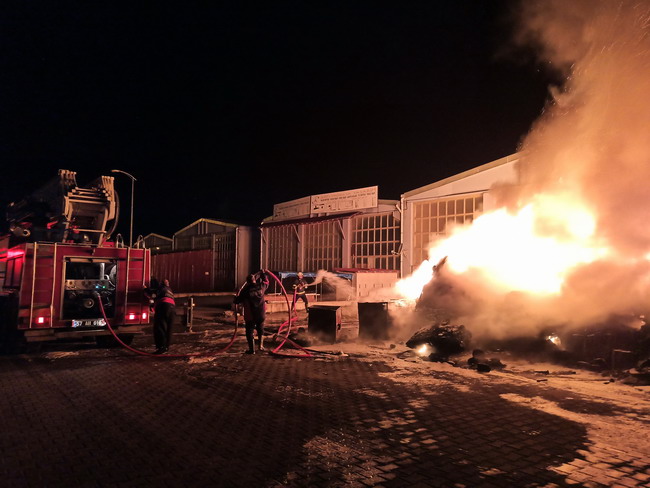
(224, 109)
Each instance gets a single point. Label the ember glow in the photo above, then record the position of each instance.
(555, 339)
(532, 250)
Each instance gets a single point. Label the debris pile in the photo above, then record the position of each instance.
(443, 338)
(639, 375)
(481, 363)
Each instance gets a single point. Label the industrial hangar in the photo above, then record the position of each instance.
(351, 232)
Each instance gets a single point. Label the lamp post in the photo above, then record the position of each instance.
(132, 192)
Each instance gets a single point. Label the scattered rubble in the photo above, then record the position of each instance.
(408, 354)
(446, 339)
(640, 375)
(482, 364)
(483, 368)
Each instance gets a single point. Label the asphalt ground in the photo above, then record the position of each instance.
(77, 415)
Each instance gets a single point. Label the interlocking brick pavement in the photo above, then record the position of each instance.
(104, 418)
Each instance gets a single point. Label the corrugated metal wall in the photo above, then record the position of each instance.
(187, 271)
(220, 264)
(224, 261)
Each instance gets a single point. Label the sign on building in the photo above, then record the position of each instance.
(348, 200)
(292, 209)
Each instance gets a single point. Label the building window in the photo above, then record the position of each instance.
(434, 218)
(283, 248)
(323, 243)
(375, 242)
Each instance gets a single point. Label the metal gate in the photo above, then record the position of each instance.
(224, 249)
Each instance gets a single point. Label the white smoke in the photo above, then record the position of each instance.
(593, 141)
(593, 137)
(341, 288)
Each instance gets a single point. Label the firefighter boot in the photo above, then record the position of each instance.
(251, 344)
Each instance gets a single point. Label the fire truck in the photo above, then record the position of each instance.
(58, 261)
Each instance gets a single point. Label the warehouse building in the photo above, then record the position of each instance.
(350, 233)
(430, 211)
(347, 229)
(158, 243)
(209, 256)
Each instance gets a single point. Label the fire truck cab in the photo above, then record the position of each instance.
(57, 263)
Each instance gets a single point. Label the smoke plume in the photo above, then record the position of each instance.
(593, 136)
(591, 143)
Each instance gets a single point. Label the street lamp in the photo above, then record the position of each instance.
(132, 190)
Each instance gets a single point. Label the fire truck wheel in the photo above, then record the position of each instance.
(108, 341)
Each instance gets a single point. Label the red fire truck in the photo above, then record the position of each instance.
(57, 262)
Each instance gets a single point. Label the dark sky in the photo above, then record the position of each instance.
(224, 109)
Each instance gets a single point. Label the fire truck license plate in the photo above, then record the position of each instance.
(89, 323)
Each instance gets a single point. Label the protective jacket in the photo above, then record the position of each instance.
(300, 286)
(251, 297)
(165, 295)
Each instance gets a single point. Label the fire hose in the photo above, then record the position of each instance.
(293, 316)
(287, 324)
(232, 340)
(174, 356)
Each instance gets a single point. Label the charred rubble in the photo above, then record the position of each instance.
(443, 338)
(439, 304)
(617, 346)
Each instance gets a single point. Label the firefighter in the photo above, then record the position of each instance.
(300, 290)
(164, 314)
(251, 298)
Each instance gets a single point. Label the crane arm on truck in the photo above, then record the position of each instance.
(57, 260)
(62, 211)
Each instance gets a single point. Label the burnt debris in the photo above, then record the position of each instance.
(445, 339)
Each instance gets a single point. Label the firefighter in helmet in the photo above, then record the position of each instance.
(300, 290)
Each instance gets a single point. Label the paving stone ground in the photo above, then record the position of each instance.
(80, 416)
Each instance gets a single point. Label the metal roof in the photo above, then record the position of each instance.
(159, 236)
(209, 221)
(309, 220)
(464, 174)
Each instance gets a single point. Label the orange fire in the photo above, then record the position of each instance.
(532, 250)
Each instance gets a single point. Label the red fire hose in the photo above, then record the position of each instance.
(174, 356)
(232, 340)
(288, 322)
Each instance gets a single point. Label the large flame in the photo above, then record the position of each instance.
(531, 250)
(579, 254)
